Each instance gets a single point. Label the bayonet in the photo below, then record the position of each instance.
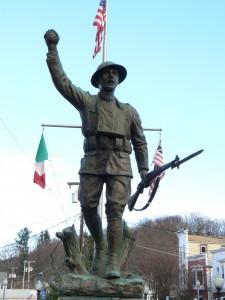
(152, 175)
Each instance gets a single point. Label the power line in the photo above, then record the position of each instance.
(56, 183)
(15, 140)
(36, 234)
(157, 250)
(31, 163)
(157, 228)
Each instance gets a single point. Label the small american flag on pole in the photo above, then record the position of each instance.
(158, 162)
(99, 21)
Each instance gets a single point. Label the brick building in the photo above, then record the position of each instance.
(201, 259)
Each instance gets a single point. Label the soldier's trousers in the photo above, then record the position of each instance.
(118, 190)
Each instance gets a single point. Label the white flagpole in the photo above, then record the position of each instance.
(79, 126)
(104, 54)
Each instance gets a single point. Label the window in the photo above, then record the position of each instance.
(203, 248)
(197, 274)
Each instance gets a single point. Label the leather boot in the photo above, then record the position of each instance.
(114, 237)
(94, 224)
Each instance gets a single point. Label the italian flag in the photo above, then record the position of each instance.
(41, 156)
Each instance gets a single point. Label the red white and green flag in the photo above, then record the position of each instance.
(41, 156)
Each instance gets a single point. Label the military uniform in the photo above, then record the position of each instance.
(107, 125)
(109, 128)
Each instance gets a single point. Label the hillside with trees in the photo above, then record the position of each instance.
(154, 258)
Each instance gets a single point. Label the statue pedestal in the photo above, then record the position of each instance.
(82, 287)
(79, 284)
(94, 298)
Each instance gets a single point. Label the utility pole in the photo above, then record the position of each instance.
(24, 266)
(12, 275)
(28, 262)
(28, 271)
(70, 184)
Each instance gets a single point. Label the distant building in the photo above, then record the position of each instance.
(218, 261)
(3, 276)
(201, 258)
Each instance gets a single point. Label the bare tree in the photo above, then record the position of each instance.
(200, 224)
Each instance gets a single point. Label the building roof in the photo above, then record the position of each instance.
(205, 239)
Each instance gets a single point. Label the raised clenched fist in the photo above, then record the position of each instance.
(51, 37)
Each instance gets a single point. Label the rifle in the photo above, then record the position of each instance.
(152, 175)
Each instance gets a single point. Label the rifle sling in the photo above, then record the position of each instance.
(152, 195)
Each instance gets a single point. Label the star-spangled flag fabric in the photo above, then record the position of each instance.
(99, 21)
(157, 162)
(41, 156)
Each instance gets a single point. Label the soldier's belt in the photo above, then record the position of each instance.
(108, 143)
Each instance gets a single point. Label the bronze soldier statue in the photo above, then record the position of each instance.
(109, 128)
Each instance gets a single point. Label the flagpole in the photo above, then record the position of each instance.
(104, 54)
(79, 126)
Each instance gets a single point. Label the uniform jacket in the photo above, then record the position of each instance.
(109, 128)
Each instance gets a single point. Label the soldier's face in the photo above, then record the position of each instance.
(109, 79)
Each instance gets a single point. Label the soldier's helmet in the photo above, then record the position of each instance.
(106, 65)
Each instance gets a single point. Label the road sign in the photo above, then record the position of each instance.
(43, 294)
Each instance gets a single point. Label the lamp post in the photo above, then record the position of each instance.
(5, 282)
(38, 289)
(198, 286)
(218, 283)
(146, 291)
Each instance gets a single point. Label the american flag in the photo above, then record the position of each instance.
(99, 21)
(158, 162)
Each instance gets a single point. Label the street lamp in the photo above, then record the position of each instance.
(218, 283)
(5, 282)
(38, 289)
(146, 291)
(198, 286)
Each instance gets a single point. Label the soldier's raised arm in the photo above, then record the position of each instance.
(51, 38)
(76, 96)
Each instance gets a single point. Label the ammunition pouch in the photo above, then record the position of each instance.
(103, 142)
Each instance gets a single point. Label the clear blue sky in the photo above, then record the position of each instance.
(174, 52)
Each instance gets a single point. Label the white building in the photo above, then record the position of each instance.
(218, 262)
(201, 259)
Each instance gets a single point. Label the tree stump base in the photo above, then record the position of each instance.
(91, 286)
(80, 283)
